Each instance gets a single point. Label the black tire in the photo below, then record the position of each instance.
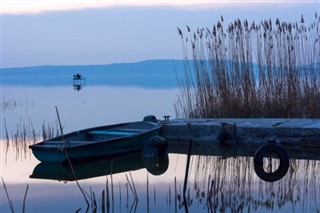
(280, 172)
(156, 146)
(156, 166)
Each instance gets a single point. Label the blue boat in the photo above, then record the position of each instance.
(98, 142)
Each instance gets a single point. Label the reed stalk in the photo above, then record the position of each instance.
(103, 202)
(120, 195)
(83, 192)
(134, 188)
(7, 194)
(93, 201)
(169, 203)
(148, 201)
(127, 203)
(175, 195)
(60, 125)
(112, 193)
(131, 187)
(24, 200)
(263, 69)
(154, 196)
(108, 195)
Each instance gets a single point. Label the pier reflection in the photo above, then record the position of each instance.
(224, 181)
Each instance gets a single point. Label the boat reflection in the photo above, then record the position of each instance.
(100, 167)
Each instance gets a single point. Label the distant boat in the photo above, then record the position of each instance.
(98, 142)
(78, 81)
(78, 77)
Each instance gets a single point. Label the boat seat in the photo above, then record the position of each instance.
(111, 133)
(62, 143)
(75, 143)
(132, 130)
(54, 143)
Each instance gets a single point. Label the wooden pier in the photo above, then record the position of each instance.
(241, 137)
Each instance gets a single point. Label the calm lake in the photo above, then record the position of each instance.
(126, 183)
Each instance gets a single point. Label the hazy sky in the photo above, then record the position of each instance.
(73, 32)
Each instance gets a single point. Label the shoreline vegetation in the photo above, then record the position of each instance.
(259, 70)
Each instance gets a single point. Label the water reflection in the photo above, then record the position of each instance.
(77, 87)
(100, 167)
(215, 183)
(218, 181)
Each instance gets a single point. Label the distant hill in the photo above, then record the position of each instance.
(148, 74)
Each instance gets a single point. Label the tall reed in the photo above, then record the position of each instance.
(25, 135)
(261, 69)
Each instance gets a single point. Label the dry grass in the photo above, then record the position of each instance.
(251, 70)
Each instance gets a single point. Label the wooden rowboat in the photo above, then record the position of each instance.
(97, 142)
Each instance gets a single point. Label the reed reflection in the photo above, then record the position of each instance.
(230, 184)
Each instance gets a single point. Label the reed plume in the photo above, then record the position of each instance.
(253, 69)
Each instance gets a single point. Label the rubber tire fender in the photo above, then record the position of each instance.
(281, 170)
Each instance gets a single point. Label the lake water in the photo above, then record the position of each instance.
(215, 183)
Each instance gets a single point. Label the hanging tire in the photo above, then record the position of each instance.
(263, 152)
(155, 147)
(156, 166)
(155, 155)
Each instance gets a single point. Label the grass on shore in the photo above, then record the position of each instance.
(267, 69)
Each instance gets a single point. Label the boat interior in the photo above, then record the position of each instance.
(102, 134)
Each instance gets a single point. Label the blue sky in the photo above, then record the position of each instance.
(47, 32)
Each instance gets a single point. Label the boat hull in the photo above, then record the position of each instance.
(57, 150)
